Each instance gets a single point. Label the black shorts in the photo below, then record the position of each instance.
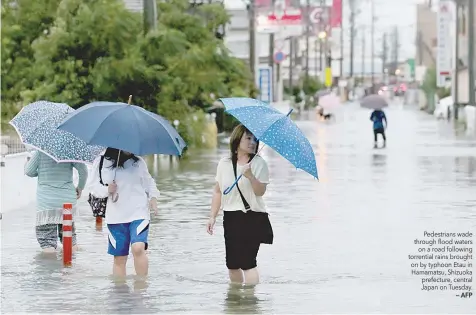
(241, 239)
(379, 130)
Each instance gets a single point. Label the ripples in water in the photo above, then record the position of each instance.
(341, 243)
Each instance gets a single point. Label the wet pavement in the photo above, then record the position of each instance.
(341, 244)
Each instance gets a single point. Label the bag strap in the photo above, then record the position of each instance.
(101, 161)
(245, 203)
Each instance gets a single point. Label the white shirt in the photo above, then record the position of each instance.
(226, 177)
(135, 186)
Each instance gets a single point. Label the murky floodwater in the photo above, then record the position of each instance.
(341, 244)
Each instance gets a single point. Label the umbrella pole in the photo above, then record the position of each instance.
(227, 191)
(115, 170)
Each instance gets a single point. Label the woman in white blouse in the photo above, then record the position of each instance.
(241, 218)
(131, 191)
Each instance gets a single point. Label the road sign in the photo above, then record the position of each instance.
(279, 57)
(265, 84)
(319, 15)
(445, 43)
(281, 15)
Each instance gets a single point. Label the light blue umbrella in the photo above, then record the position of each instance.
(37, 123)
(125, 127)
(275, 129)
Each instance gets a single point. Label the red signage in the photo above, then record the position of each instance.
(336, 14)
(282, 13)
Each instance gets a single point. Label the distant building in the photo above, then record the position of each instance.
(426, 36)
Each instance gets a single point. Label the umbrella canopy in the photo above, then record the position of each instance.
(374, 101)
(329, 101)
(275, 129)
(125, 127)
(37, 123)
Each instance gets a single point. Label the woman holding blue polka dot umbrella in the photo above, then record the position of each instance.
(245, 219)
(274, 129)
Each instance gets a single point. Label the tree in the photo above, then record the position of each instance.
(22, 22)
(86, 52)
(79, 51)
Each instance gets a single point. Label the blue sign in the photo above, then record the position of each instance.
(265, 84)
(279, 57)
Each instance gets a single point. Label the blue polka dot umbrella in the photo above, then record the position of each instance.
(37, 123)
(275, 129)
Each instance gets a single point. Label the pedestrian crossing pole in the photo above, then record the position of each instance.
(67, 234)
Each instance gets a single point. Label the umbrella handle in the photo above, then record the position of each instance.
(115, 197)
(227, 191)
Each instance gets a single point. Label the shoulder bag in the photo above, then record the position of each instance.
(98, 205)
(265, 232)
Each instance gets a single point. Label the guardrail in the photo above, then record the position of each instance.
(11, 144)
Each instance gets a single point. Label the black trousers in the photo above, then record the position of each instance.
(379, 131)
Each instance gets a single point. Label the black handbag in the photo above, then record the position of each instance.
(266, 234)
(98, 205)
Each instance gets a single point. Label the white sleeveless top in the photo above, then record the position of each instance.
(226, 177)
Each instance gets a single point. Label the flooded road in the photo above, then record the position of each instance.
(341, 244)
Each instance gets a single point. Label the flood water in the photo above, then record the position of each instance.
(341, 243)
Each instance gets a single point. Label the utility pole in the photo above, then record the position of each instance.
(308, 24)
(149, 15)
(352, 36)
(291, 65)
(384, 52)
(456, 76)
(316, 57)
(471, 43)
(271, 42)
(372, 52)
(363, 58)
(252, 36)
(396, 46)
(271, 59)
(419, 48)
(322, 28)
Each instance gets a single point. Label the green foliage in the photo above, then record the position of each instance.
(311, 85)
(429, 85)
(79, 51)
(443, 92)
(296, 90)
(429, 81)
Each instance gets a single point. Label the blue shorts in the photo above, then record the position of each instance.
(121, 236)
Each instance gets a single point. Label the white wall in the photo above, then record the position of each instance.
(17, 190)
